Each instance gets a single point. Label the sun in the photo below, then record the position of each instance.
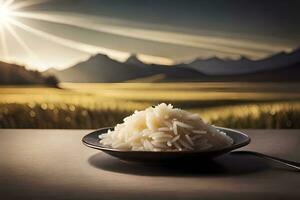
(5, 14)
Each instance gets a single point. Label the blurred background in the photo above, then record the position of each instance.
(85, 64)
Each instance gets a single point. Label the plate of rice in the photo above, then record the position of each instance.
(164, 133)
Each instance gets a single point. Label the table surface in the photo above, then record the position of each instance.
(54, 164)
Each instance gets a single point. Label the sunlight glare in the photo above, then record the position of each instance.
(3, 44)
(5, 13)
(21, 42)
(83, 47)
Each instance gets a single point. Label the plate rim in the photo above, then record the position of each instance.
(225, 149)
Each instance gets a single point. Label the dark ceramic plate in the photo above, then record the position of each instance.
(92, 140)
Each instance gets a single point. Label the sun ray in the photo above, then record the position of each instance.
(28, 3)
(92, 49)
(22, 43)
(3, 44)
(71, 43)
(217, 43)
(229, 51)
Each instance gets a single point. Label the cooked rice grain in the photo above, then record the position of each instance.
(164, 128)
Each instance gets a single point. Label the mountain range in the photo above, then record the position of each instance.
(100, 68)
(217, 66)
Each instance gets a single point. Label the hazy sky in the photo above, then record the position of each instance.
(58, 33)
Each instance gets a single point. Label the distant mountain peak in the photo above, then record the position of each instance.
(243, 58)
(132, 57)
(134, 60)
(213, 58)
(99, 56)
(210, 59)
(51, 71)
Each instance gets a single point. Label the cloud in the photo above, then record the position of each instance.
(223, 45)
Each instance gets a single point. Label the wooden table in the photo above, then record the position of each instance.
(53, 164)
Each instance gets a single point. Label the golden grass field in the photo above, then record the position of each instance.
(236, 105)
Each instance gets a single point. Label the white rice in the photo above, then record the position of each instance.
(164, 128)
